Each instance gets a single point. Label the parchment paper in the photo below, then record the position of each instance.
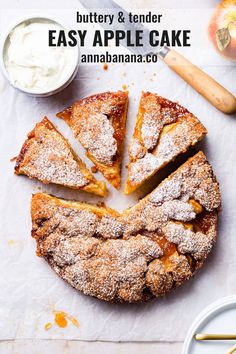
(29, 290)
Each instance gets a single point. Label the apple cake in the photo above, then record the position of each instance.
(98, 122)
(47, 156)
(163, 130)
(141, 253)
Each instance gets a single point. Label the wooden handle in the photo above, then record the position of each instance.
(216, 94)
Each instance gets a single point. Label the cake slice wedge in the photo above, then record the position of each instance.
(98, 122)
(47, 156)
(164, 129)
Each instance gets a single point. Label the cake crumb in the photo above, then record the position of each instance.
(61, 319)
(47, 326)
(94, 169)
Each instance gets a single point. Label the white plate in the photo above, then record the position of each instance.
(219, 317)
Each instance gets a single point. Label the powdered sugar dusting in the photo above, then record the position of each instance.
(154, 118)
(77, 222)
(96, 135)
(110, 227)
(158, 280)
(98, 121)
(50, 160)
(150, 130)
(178, 210)
(197, 244)
(162, 276)
(195, 180)
(170, 145)
(143, 168)
(153, 217)
(136, 150)
(71, 250)
(168, 190)
(119, 269)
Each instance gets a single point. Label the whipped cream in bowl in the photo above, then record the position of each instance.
(31, 65)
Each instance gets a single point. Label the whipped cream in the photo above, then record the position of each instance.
(30, 62)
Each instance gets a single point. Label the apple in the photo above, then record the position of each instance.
(222, 29)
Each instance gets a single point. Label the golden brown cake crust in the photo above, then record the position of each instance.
(47, 156)
(99, 123)
(164, 129)
(143, 252)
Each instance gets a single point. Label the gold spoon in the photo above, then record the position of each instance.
(232, 350)
(202, 336)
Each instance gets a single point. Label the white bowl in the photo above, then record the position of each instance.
(219, 318)
(61, 86)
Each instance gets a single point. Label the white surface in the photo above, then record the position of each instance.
(75, 347)
(30, 291)
(218, 318)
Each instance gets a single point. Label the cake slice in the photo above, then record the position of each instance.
(146, 251)
(47, 156)
(163, 130)
(98, 122)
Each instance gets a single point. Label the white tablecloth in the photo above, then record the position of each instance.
(30, 291)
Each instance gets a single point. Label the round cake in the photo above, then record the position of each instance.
(144, 252)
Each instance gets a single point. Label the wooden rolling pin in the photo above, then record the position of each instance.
(216, 94)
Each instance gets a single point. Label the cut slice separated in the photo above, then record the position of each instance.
(163, 130)
(98, 122)
(47, 156)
